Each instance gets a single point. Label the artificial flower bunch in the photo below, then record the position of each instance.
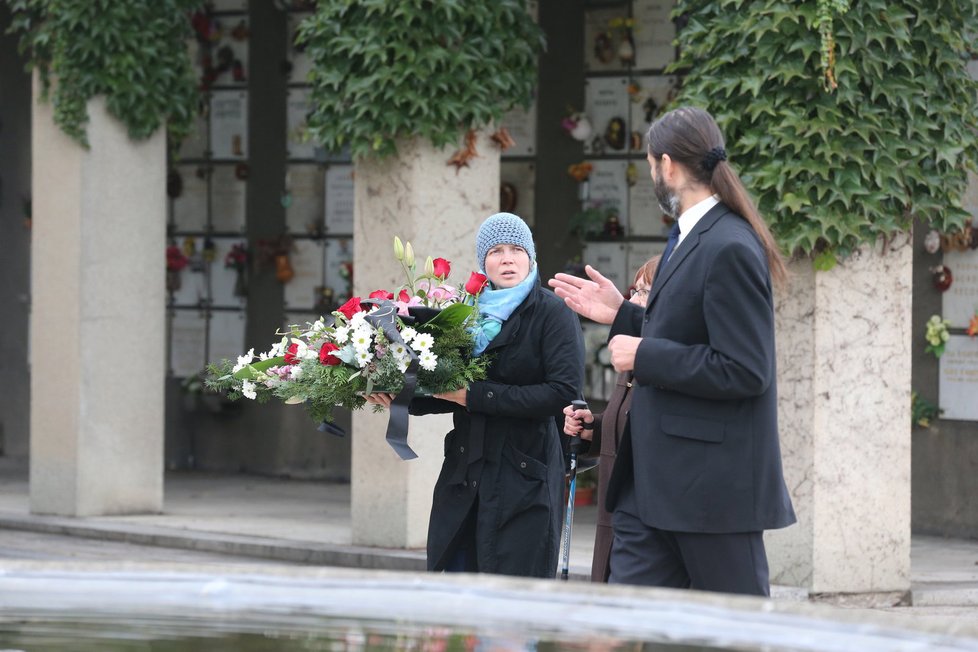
(937, 335)
(367, 345)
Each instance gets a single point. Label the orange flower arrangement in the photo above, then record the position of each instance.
(580, 171)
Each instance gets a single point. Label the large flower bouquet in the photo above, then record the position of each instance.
(376, 344)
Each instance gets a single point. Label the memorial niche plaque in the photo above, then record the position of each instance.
(958, 387)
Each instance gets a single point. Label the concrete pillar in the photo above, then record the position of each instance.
(97, 322)
(844, 386)
(420, 198)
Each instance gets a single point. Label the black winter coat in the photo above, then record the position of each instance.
(504, 449)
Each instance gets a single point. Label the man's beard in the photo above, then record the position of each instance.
(668, 200)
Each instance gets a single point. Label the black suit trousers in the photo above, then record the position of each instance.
(649, 556)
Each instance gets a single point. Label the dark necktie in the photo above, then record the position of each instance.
(670, 244)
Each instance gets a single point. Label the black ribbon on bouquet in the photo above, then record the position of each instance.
(385, 318)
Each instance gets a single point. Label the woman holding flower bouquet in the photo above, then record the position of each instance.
(498, 500)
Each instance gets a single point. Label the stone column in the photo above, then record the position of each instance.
(844, 385)
(97, 322)
(420, 198)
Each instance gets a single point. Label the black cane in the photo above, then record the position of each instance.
(575, 443)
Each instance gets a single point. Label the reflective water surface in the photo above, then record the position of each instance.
(123, 608)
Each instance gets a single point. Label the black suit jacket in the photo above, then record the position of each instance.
(703, 445)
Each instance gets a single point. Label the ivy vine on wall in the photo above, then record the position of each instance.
(385, 70)
(132, 52)
(835, 169)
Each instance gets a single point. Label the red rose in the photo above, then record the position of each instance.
(404, 297)
(381, 294)
(442, 268)
(325, 356)
(290, 357)
(475, 283)
(351, 307)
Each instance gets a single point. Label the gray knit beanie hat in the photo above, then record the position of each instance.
(503, 228)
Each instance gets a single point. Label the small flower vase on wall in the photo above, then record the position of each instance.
(172, 280)
(240, 282)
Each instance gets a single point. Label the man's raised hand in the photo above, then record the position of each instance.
(594, 297)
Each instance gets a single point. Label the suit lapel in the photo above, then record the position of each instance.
(684, 250)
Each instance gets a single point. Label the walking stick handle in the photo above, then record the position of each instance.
(575, 444)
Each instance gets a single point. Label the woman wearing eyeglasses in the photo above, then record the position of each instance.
(603, 431)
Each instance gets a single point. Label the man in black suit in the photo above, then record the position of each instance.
(698, 477)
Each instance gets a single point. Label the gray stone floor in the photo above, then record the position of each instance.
(240, 519)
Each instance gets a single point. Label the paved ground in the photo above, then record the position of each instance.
(239, 519)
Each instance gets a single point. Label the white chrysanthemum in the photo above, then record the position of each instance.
(428, 361)
(399, 350)
(244, 360)
(423, 342)
(363, 358)
(358, 320)
(295, 371)
(402, 364)
(408, 334)
(362, 339)
(341, 334)
(248, 389)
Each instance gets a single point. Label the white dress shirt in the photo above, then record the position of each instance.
(692, 215)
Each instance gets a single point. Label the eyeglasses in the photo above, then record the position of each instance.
(639, 292)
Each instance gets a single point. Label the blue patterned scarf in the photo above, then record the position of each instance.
(495, 307)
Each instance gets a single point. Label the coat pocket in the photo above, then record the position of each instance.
(527, 466)
(692, 428)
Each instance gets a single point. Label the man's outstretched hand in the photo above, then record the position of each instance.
(594, 297)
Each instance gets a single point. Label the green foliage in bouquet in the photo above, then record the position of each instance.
(385, 70)
(336, 361)
(846, 120)
(132, 52)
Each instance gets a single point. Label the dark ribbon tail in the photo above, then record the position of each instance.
(385, 318)
(397, 424)
(331, 428)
